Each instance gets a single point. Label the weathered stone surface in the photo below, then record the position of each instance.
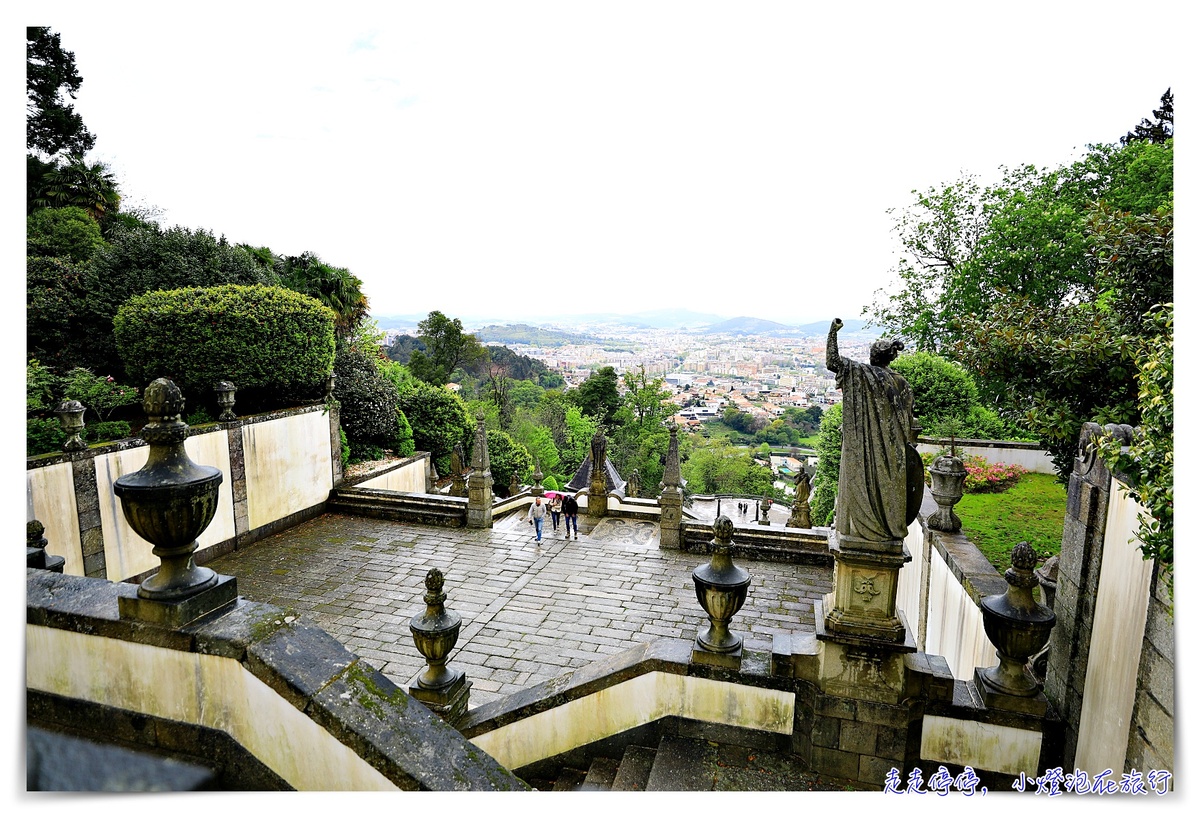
(401, 738)
(298, 661)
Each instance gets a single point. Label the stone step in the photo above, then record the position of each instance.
(390, 505)
(569, 779)
(679, 766)
(634, 770)
(600, 775)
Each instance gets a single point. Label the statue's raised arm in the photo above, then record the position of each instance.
(831, 347)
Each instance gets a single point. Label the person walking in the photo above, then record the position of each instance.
(537, 513)
(556, 504)
(570, 507)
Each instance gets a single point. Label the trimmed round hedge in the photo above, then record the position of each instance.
(261, 338)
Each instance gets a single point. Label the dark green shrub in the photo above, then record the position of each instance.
(507, 457)
(54, 292)
(43, 435)
(829, 459)
(62, 232)
(368, 399)
(99, 394)
(261, 338)
(403, 445)
(365, 452)
(439, 419)
(144, 259)
(940, 388)
(107, 430)
(345, 447)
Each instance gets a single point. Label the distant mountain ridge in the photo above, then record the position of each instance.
(497, 330)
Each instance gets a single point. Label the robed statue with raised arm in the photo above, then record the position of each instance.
(881, 478)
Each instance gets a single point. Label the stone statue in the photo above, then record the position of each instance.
(881, 479)
(634, 487)
(801, 511)
(599, 448)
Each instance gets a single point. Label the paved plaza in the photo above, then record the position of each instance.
(530, 612)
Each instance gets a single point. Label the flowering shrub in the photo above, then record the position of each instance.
(100, 394)
(983, 476)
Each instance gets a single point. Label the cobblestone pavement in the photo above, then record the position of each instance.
(530, 612)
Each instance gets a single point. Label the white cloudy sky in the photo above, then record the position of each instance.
(523, 160)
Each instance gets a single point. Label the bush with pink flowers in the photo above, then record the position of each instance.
(985, 477)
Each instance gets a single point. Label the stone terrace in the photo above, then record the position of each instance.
(529, 612)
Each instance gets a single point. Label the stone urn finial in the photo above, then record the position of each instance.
(435, 633)
(538, 477)
(947, 475)
(721, 590)
(226, 396)
(35, 549)
(1017, 625)
(171, 499)
(70, 417)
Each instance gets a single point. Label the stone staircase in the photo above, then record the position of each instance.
(679, 764)
(430, 509)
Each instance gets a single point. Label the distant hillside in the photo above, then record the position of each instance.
(853, 326)
(744, 325)
(526, 334)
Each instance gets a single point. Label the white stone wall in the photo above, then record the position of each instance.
(908, 584)
(125, 553)
(50, 499)
(954, 628)
(192, 688)
(289, 466)
(409, 477)
(1122, 599)
(1033, 459)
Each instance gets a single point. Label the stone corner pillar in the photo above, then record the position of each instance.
(670, 497)
(479, 484)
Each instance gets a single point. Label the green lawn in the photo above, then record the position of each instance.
(1031, 511)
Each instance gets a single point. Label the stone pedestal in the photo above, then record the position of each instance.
(177, 613)
(670, 523)
(863, 602)
(450, 702)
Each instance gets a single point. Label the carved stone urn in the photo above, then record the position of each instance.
(435, 632)
(1017, 625)
(70, 417)
(171, 499)
(226, 396)
(721, 590)
(947, 475)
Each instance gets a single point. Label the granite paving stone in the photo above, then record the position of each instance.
(529, 613)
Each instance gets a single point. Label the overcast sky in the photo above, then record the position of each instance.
(531, 160)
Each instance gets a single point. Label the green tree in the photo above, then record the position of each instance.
(439, 419)
(52, 126)
(829, 459)
(597, 396)
(1059, 367)
(369, 411)
(1149, 463)
(1161, 129)
(941, 389)
(138, 261)
(335, 287)
(68, 233)
(966, 247)
(78, 183)
(508, 457)
(715, 467)
(645, 397)
(446, 348)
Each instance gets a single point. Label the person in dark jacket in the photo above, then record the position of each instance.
(570, 509)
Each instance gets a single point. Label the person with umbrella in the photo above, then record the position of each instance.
(556, 505)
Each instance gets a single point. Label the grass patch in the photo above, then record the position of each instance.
(1032, 511)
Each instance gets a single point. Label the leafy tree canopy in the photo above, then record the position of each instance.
(1161, 129)
(597, 396)
(446, 348)
(66, 232)
(52, 126)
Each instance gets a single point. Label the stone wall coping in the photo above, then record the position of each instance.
(385, 469)
(338, 690)
(983, 444)
(100, 449)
